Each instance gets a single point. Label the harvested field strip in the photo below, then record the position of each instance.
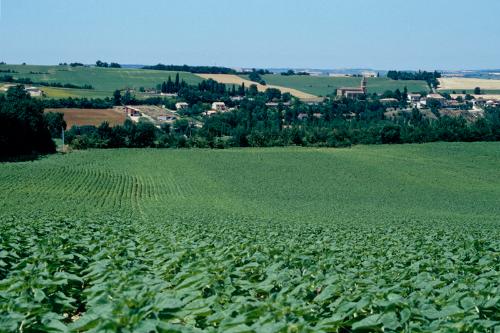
(236, 80)
(458, 84)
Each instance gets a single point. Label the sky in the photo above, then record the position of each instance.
(328, 34)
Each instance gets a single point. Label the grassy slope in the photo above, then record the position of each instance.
(381, 84)
(266, 227)
(104, 80)
(322, 86)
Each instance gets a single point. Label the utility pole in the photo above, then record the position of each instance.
(62, 137)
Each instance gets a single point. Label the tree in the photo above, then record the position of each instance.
(56, 123)
(177, 82)
(127, 98)
(117, 98)
(477, 91)
(145, 134)
(23, 128)
(390, 134)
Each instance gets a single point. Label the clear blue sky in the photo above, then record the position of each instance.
(381, 34)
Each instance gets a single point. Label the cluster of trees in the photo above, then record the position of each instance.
(430, 77)
(73, 64)
(130, 135)
(11, 79)
(256, 77)
(23, 128)
(336, 123)
(192, 69)
(99, 63)
(8, 71)
(291, 72)
(172, 87)
(77, 103)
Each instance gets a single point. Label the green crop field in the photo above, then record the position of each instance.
(324, 85)
(104, 80)
(402, 238)
(381, 84)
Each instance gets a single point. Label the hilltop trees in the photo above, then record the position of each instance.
(23, 129)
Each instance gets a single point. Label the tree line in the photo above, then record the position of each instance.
(11, 79)
(430, 77)
(192, 69)
(336, 123)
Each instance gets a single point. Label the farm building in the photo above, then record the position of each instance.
(353, 92)
(414, 98)
(437, 97)
(34, 92)
(219, 106)
(181, 105)
(167, 118)
(388, 100)
(132, 111)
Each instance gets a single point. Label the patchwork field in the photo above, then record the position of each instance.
(80, 117)
(400, 238)
(102, 79)
(459, 83)
(324, 85)
(237, 80)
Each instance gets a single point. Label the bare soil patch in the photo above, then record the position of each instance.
(95, 117)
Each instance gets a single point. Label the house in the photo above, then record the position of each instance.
(181, 105)
(318, 115)
(34, 92)
(210, 112)
(414, 98)
(219, 106)
(237, 98)
(353, 92)
(369, 74)
(167, 118)
(132, 112)
(388, 101)
(302, 116)
(436, 97)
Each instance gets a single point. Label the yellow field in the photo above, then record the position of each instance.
(460, 83)
(234, 79)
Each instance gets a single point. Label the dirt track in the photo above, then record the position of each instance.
(234, 79)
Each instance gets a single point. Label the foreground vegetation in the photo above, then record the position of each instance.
(378, 238)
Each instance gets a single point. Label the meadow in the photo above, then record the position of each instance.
(103, 80)
(401, 238)
(324, 85)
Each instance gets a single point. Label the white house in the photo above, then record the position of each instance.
(34, 92)
(181, 105)
(414, 98)
(218, 106)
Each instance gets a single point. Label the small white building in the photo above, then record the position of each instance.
(219, 106)
(34, 92)
(414, 98)
(181, 105)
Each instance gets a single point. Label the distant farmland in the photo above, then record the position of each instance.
(381, 84)
(104, 80)
(238, 80)
(95, 117)
(468, 84)
(325, 85)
